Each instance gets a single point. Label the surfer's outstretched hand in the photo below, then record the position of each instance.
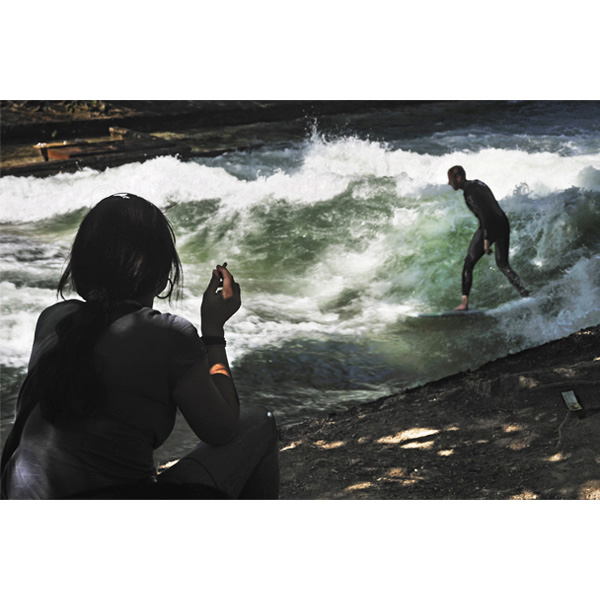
(221, 300)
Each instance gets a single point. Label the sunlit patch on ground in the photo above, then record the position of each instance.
(446, 452)
(408, 434)
(363, 485)
(396, 472)
(419, 445)
(527, 382)
(329, 445)
(400, 475)
(556, 457)
(525, 495)
(519, 442)
(511, 428)
(291, 446)
(590, 490)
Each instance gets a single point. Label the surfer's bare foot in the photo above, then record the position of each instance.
(464, 305)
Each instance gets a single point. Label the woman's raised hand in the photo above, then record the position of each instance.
(221, 300)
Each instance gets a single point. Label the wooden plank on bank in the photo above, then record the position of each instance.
(71, 155)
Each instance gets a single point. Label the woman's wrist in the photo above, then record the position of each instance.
(213, 340)
(212, 331)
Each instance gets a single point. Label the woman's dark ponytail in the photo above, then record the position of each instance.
(72, 385)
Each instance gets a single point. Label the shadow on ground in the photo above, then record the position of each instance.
(501, 432)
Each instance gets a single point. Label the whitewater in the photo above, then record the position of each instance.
(339, 241)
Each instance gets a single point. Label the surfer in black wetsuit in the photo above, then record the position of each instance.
(493, 229)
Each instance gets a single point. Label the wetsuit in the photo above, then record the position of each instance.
(144, 355)
(494, 227)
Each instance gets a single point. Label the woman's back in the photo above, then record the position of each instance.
(140, 358)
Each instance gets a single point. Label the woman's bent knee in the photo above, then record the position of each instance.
(258, 418)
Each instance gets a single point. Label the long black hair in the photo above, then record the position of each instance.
(124, 250)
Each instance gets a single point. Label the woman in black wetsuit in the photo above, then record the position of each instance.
(108, 373)
(494, 228)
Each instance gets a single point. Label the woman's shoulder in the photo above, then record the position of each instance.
(146, 321)
(175, 335)
(165, 321)
(61, 308)
(51, 315)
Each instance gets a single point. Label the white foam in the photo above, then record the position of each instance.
(20, 309)
(327, 169)
(353, 290)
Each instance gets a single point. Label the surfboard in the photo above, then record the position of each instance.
(452, 313)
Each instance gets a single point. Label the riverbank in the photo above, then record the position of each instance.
(199, 128)
(31, 120)
(209, 127)
(501, 432)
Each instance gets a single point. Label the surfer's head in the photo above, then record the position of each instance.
(456, 177)
(124, 250)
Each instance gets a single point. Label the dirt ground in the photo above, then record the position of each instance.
(500, 432)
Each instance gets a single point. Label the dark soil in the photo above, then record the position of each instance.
(500, 432)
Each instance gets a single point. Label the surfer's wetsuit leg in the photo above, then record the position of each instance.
(502, 245)
(474, 253)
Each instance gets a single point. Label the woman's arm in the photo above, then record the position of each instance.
(207, 395)
(208, 403)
